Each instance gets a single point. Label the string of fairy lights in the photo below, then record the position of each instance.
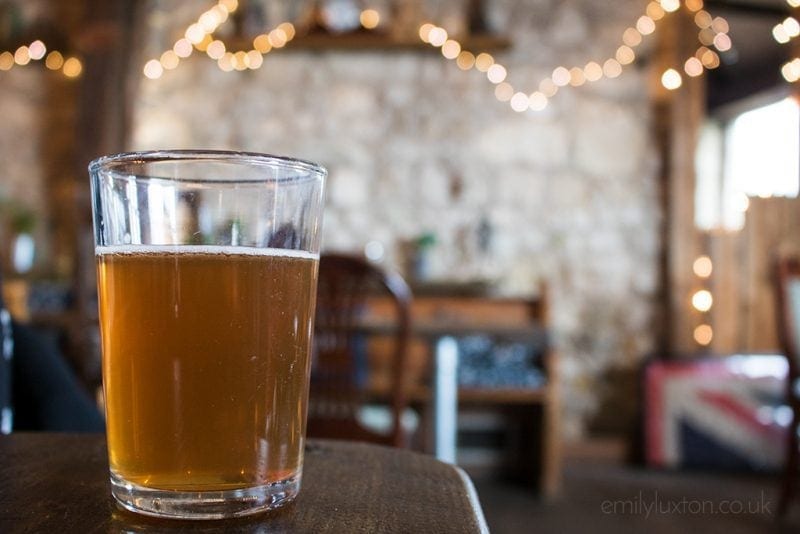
(783, 33)
(200, 36)
(70, 67)
(712, 36)
(703, 300)
(713, 33)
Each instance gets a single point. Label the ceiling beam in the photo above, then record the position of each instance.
(749, 8)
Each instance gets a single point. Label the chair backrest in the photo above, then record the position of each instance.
(339, 372)
(788, 300)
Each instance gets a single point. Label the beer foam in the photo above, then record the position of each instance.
(225, 250)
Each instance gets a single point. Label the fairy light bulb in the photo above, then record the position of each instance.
(560, 76)
(519, 102)
(703, 267)
(670, 5)
(73, 67)
(645, 25)
(451, 49)
(703, 334)
(496, 73)
(671, 79)
(612, 68)
(169, 60)
(483, 61)
(36, 50)
(503, 92)
(537, 101)
(702, 300)
(693, 67)
(722, 42)
(370, 19)
(153, 69)
(593, 71)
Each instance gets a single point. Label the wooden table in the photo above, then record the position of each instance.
(439, 321)
(59, 483)
(442, 337)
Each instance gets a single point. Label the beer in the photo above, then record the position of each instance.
(205, 363)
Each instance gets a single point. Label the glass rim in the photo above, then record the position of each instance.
(111, 162)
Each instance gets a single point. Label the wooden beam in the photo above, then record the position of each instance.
(105, 37)
(749, 8)
(679, 115)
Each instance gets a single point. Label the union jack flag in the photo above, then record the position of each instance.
(725, 412)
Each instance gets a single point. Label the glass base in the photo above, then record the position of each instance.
(203, 504)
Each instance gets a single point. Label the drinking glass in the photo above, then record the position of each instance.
(207, 276)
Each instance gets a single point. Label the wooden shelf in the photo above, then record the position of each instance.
(487, 396)
(370, 42)
(503, 395)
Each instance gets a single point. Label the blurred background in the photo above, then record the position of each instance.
(632, 164)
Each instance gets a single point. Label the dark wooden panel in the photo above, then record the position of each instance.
(59, 483)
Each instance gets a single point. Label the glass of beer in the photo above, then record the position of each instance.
(207, 278)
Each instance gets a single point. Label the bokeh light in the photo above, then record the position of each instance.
(702, 300)
(670, 5)
(645, 25)
(625, 55)
(153, 69)
(593, 71)
(6, 60)
(671, 79)
(503, 92)
(560, 76)
(169, 60)
(437, 36)
(703, 334)
(519, 102)
(261, 43)
(54, 60)
(465, 60)
(215, 50)
(632, 37)
(370, 19)
(537, 101)
(702, 266)
(612, 68)
(451, 49)
(693, 67)
(496, 73)
(183, 48)
(73, 67)
(37, 50)
(22, 56)
(483, 61)
(425, 32)
(576, 77)
(722, 42)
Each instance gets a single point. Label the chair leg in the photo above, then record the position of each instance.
(790, 469)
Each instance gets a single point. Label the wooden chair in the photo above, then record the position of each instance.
(340, 367)
(788, 300)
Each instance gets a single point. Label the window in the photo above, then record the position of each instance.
(755, 154)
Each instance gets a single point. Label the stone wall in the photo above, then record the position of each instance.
(415, 145)
(37, 146)
(23, 179)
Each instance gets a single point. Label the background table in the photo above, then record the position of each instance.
(59, 483)
(439, 320)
